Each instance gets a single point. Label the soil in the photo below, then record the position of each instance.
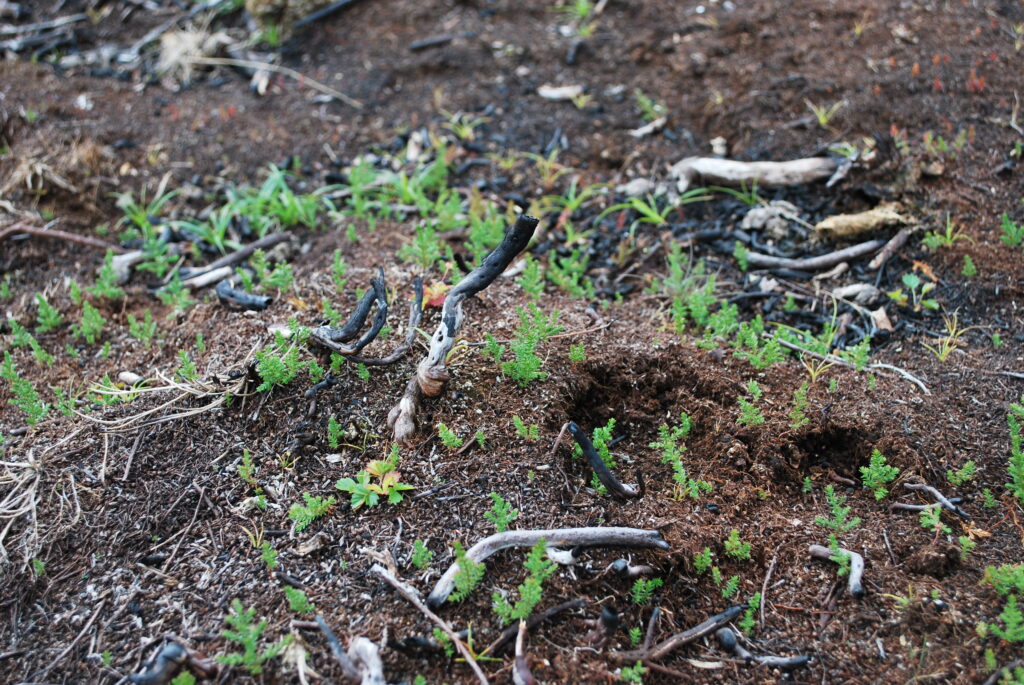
(136, 536)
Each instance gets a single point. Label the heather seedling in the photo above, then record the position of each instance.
(568, 273)
(963, 474)
(421, 555)
(635, 633)
(750, 414)
(643, 589)
(807, 486)
(967, 546)
(670, 443)
(798, 416)
(448, 438)
(24, 393)
(532, 280)
(634, 673)
(736, 548)
(247, 634)
(527, 432)
(931, 519)
(445, 642)
(480, 438)
(298, 601)
(839, 521)
(741, 253)
(649, 109)
(968, 270)
(731, 587)
(186, 367)
(577, 354)
(501, 513)
(469, 575)
(747, 622)
(47, 316)
(106, 284)
(989, 500)
(1012, 232)
(877, 473)
(539, 569)
(268, 555)
(702, 561)
(314, 508)
(933, 240)
(716, 576)
(1016, 466)
(535, 328)
(335, 433)
(145, 330)
(91, 326)
(840, 557)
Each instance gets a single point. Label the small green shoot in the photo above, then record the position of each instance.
(877, 473)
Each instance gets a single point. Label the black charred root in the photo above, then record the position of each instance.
(233, 297)
(727, 638)
(168, 662)
(604, 474)
(415, 315)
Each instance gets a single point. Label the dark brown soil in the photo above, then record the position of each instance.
(143, 535)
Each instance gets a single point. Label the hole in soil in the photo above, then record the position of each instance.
(843, 449)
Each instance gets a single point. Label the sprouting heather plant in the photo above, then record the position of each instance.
(91, 325)
(737, 548)
(539, 569)
(106, 283)
(448, 438)
(731, 587)
(501, 513)
(931, 519)
(1016, 466)
(469, 575)
(877, 473)
(24, 393)
(527, 432)
(298, 601)
(702, 560)
(840, 520)
(643, 589)
(750, 414)
(421, 555)
(746, 624)
(963, 474)
(143, 330)
(798, 416)
(535, 328)
(314, 508)
(47, 317)
(246, 633)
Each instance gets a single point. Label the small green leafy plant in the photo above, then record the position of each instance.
(840, 521)
(538, 569)
(750, 414)
(1012, 232)
(298, 601)
(448, 438)
(501, 513)
(643, 589)
(535, 328)
(469, 575)
(915, 298)
(421, 555)
(737, 548)
(634, 673)
(47, 316)
(877, 473)
(746, 624)
(963, 474)
(527, 432)
(314, 508)
(702, 561)
(363, 491)
(798, 416)
(247, 634)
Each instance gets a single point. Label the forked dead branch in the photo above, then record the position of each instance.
(432, 374)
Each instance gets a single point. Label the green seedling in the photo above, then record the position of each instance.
(538, 569)
(501, 513)
(877, 473)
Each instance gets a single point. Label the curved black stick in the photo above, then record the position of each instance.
(680, 639)
(381, 296)
(431, 374)
(604, 474)
(164, 667)
(728, 640)
(239, 298)
(415, 315)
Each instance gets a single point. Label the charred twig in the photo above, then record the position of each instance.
(438, 41)
(234, 297)
(853, 584)
(560, 537)
(601, 470)
(332, 337)
(431, 374)
(347, 667)
(323, 12)
(756, 259)
(728, 640)
(679, 639)
(938, 497)
(413, 598)
(45, 232)
(415, 315)
(166, 664)
(652, 624)
(531, 623)
(238, 256)
(891, 247)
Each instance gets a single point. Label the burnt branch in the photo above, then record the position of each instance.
(853, 581)
(415, 315)
(679, 639)
(601, 470)
(431, 374)
(347, 667)
(727, 638)
(756, 259)
(938, 497)
(238, 256)
(535, 620)
(332, 337)
(234, 297)
(560, 537)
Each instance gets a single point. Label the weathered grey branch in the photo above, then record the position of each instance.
(679, 639)
(238, 256)
(824, 261)
(601, 470)
(938, 497)
(415, 314)
(894, 244)
(234, 297)
(366, 656)
(853, 584)
(765, 174)
(431, 374)
(413, 598)
(332, 338)
(561, 537)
